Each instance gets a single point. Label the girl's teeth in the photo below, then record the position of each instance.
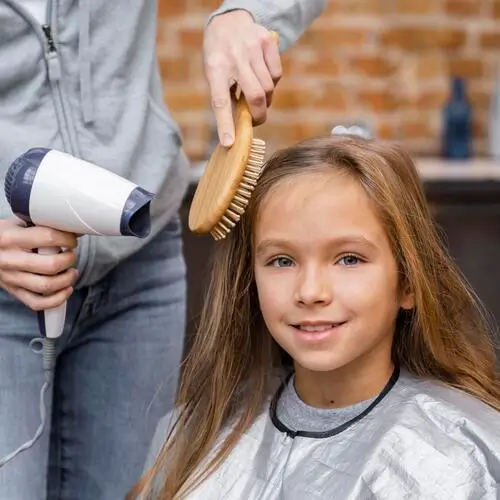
(316, 328)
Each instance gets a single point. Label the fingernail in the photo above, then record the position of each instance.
(227, 140)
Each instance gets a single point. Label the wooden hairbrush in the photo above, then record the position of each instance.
(229, 178)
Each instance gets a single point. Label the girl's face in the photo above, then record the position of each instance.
(326, 277)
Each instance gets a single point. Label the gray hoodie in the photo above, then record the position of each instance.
(88, 83)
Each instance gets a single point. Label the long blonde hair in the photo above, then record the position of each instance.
(227, 374)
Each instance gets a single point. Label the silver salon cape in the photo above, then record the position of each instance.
(418, 440)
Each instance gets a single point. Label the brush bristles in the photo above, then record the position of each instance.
(241, 198)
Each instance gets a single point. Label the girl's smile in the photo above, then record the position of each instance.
(317, 331)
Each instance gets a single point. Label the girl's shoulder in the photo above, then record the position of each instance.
(163, 429)
(436, 408)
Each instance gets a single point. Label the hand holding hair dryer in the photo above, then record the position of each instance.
(45, 187)
(50, 188)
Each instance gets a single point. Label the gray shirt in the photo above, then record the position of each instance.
(298, 416)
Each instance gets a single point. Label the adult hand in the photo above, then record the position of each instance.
(239, 51)
(39, 281)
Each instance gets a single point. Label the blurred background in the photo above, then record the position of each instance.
(421, 72)
(387, 62)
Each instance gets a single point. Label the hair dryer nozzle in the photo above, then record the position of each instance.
(135, 219)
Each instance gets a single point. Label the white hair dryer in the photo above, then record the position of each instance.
(45, 187)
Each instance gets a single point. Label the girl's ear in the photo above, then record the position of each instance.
(407, 299)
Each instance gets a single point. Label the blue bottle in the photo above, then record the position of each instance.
(457, 123)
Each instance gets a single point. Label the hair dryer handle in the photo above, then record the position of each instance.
(51, 321)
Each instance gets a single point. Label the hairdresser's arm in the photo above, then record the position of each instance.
(238, 48)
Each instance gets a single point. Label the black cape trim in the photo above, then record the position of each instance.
(337, 430)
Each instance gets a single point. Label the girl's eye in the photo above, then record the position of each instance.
(349, 260)
(281, 262)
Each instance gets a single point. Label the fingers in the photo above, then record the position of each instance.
(39, 284)
(263, 75)
(38, 302)
(219, 83)
(271, 52)
(272, 59)
(258, 75)
(39, 281)
(14, 236)
(255, 93)
(46, 265)
(236, 49)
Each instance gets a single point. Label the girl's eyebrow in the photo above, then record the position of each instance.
(270, 243)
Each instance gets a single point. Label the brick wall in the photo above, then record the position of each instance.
(386, 62)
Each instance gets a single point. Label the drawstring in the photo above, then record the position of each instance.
(84, 61)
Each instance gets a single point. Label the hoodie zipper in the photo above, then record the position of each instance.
(51, 56)
(47, 31)
(54, 75)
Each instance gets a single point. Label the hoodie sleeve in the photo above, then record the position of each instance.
(289, 18)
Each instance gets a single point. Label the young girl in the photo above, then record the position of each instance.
(391, 392)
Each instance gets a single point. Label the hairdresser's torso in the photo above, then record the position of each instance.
(96, 93)
(421, 441)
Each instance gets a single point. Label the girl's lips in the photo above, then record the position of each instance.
(316, 332)
(316, 328)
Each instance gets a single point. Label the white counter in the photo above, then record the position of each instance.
(431, 169)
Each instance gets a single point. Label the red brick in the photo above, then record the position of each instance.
(333, 97)
(288, 64)
(195, 136)
(387, 131)
(205, 6)
(363, 7)
(378, 100)
(415, 62)
(375, 66)
(324, 98)
(330, 39)
(279, 134)
(479, 99)
(432, 99)
(319, 67)
(168, 8)
(310, 129)
(289, 98)
(190, 38)
(416, 6)
(466, 67)
(175, 69)
(490, 40)
(479, 125)
(496, 9)
(431, 65)
(187, 100)
(293, 67)
(462, 8)
(424, 38)
(417, 128)
(426, 100)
